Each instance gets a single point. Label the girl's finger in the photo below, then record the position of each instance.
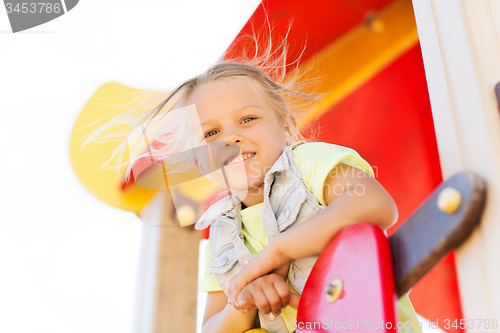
(236, 287)
(294, 300)
(245, 300)
(235, 304)
(231, 288)
(273, 299)
(260, 300)
(230, 294)
(283, 291)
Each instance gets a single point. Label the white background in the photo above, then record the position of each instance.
(68, 261)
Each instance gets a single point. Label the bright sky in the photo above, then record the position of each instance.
(69, 262)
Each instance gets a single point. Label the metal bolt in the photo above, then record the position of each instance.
(334, 290)
(449, 200)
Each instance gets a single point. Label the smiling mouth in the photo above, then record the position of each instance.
(239, 158)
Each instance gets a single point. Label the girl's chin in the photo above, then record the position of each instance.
(241, 191)
(243, 188)
(235, 187)
(240, 184)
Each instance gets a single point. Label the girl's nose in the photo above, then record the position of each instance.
(233, 138)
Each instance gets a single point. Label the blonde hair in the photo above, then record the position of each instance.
(158, 132)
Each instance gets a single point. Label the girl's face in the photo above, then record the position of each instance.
(233, 112)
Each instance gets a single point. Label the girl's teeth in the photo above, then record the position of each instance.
(239, 159)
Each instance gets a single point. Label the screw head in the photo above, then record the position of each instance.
(449, 200)
(334, 290)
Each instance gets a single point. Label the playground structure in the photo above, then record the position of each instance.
(385, 62)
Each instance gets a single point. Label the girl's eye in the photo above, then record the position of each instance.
(208, 134)
(251, 118)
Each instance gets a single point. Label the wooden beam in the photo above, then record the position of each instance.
(168, 271)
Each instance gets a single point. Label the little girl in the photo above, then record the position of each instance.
(287, 198)
(309, 190)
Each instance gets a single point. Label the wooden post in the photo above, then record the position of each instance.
(167, 284)
(461, 51)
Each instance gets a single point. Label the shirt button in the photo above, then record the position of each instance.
(223, 261)
(286, 212)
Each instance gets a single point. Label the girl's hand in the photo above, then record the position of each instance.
(269, 293)
(282, 271)
(266, 261)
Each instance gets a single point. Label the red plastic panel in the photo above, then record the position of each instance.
(319, 22)
(388, 121)
(360, 256)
